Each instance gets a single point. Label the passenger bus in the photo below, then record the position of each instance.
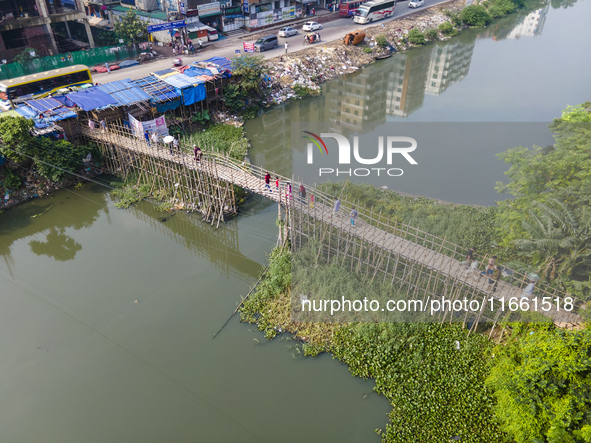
(374, 10)
(41, 85)
(349, 9)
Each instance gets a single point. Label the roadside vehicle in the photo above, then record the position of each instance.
(288, 31)
(41, 84)
(349, 9)
(311, 26)
(374, 10)
(311, 38)
(266, 43)
(416, 3)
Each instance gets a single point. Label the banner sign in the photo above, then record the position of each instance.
(157, 125)
(209, 9)
(248, 47)
(167, 26)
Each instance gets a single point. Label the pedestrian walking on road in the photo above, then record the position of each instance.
(353, 216)
(200, 44)
(286, 46)
(107, 66)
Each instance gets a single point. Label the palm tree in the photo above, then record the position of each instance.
(559, 243)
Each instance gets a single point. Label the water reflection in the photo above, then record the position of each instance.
(55, 218)
(58, 245)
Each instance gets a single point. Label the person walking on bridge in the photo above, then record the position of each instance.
(353, 216)
(155, 139)
(268, 181)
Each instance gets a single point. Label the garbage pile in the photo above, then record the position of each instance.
(310, 67)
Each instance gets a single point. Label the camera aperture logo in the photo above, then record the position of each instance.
(393, 145)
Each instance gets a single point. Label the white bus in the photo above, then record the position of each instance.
(374, 10)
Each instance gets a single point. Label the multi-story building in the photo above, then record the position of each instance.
(28, 23)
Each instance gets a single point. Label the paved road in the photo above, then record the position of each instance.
(334, 30)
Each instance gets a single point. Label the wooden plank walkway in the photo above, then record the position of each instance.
(251, 178)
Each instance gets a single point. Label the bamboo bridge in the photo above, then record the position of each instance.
(421, 265)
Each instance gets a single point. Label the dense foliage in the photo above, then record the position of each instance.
(416, 37)
(431, 34)
(55, 160)
(542, 386)
(447, 29)
(221, 138)
(131, 28)
(245, 95)
(551, 186)
(433, 375)
(475, 15)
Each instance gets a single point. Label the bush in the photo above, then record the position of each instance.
(12, 181)
(367, 50)
(447, 29)
(432, 34)
(454, 17)
(416, 37)
(382, 41)
(475, 15)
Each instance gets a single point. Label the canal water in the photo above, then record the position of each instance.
(464, 101)
(107, 315)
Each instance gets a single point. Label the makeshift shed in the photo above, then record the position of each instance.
(92, 98)
(125, 92)
(190, 89)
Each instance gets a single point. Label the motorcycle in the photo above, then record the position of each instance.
(311, 38)
(177, 62)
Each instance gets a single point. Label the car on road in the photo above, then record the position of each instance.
(264, 43)
(288, 31)
(416, 3)
(311, 26)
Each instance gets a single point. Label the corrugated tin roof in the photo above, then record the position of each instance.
(125, 92)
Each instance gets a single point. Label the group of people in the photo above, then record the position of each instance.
(188, 49)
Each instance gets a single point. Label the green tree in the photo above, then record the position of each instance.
(16, 138)
(416, 37)
(541, 384)
(25, 55)
(475, 15)
(246, 93)
(561, 172)
(559, 244)
(130, 28)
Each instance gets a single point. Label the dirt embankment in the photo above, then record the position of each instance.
(302, 73)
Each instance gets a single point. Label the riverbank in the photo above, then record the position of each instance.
(299, 74)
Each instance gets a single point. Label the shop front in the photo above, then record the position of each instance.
(210, 14)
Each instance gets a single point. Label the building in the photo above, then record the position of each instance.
(28, 23)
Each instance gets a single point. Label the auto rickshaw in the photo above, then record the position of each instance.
(311, 38)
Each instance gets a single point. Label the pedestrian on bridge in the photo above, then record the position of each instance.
(337, 206)
(277, 184)
(197, 152)
(268, 181)
(103, 125)
(353, 216)
(302, 193)
(147, 137)
(155, 139)
(175, 144)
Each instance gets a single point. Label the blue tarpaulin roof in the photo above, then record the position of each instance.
(44, 111)
(157, 89)
(125, 92)
(92, 98)
(181, 81)
(223, 62)
(194, 72)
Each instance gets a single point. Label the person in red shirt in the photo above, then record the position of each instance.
(268, 181)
